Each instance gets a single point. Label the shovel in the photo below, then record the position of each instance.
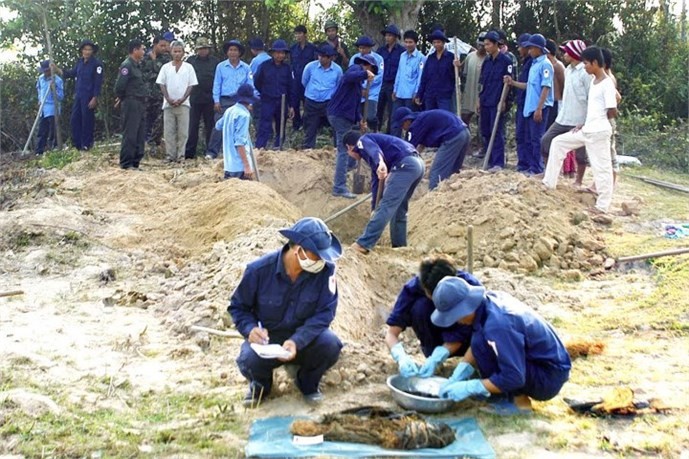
(358, 182)
(282, 122)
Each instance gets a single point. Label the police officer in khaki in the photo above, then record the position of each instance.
(130, 89)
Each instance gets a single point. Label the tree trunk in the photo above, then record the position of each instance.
(407, 16)
(371, 22)
(495, 14)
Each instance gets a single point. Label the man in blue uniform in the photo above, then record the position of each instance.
(320, 79)
(436, 129)
(390, 52)
(495, 66)
(396, 165)
(438, 79)
(300, 53)
(289, 297)
(538, 100)
(414, 307)
(344, 113)
(522, 132)
(273, 80)
(45, 85)
(88, 73)
(230, 74)
(408, 76)
(365, 45)
(514, 349)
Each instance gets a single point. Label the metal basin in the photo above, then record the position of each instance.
(403, 391)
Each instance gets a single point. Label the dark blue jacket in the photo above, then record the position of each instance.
(299, 57)
(393, 150)
(299, 311)
(434, 127)
(411, 295)
(391, 61)
(272, 81)
(510, 334)
(89, 77)
(523, 76)
(438, 77)
(346, 99)
(490, 81)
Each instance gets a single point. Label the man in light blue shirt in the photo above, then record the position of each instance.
(408, 77)
(365, 45)
(229, 76)
(236, 139)
(258, 50)
(46, 128)
(320, 79)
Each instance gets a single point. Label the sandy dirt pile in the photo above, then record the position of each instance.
(518, 226)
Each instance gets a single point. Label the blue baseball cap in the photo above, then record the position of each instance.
(327, 50)
(367, 59)
(455, 299)
(313, 235)
(245, 94)
(45, 66)
(537, 40)
(168, 36)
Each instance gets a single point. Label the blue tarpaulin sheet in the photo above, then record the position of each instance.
(271, 437)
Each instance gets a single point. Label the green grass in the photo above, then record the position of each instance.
(57, 159)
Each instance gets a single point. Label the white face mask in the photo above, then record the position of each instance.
(308, 265)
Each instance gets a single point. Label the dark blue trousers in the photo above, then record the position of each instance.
(523, 140)
(442, 103)
(82, 121)
(487, 118)
(269, 117)
(46, 134)
(536, 130)
(314, 360)
(542, 382)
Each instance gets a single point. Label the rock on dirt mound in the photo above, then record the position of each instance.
(518, 226)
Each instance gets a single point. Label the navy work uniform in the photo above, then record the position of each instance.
(522, 132)
(413, 309)
(442, 130)
(516, 349)
(491, 81)
(343, 114)
(300, 310)
(391, 62)
(299, 56)
(201, 98)
(273, 80)
(437, 85)
(131, 89)
(89, 80)
(405, 170)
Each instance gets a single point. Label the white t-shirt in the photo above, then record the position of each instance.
(601, 98)
(177, 81)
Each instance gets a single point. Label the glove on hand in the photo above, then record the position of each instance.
(462, 372)
(458, 391)
(439, 355)
(406, 364)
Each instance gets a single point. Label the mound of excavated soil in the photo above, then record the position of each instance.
(517, 224)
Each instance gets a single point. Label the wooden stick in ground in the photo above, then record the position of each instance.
(282, 121)
(470, 249)
(11, 293)
(213, 331)
(503, 97)
(457, 81)
(646, 256)
(660, 183)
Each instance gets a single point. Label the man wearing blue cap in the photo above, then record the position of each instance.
(495, 67)
(344, 113)
(413, 309)
(230, 74)
(300, 53)
(44, 85)
(88, 73)
(390, 52)
(515, 350)
(436, 129)
(396, 165)
(522, 137)
(273, 80)
(365, 45)
(408, 76)
(437, 85)
(320, 79)
(236, 140)
(289, 297)
(538, 100)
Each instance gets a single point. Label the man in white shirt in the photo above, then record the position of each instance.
(594, 134)
(176, 79)
(572, 109)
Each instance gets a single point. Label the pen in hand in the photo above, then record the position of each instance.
(260, 327)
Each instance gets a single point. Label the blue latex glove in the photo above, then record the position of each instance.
(406, 364)
(462, 372)
(439, 355)
(458, 391)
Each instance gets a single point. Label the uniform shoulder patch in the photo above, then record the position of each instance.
(546, 73)
(494, 347)
(99, 70)
(332, 284)
(124, 71)
(360, 144)
(509, 68)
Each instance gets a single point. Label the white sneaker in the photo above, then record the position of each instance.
(208, 157)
